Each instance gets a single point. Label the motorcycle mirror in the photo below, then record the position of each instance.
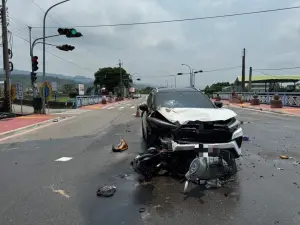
(219, 104)
(143, 107)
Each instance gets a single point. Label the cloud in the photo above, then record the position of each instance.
(224, 26)
(156, 50)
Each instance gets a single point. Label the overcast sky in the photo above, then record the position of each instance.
(153, 51)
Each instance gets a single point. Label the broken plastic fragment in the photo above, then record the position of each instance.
(122, 146)
(106, 191)
(284, 157)
(245, 138)
(213, 184)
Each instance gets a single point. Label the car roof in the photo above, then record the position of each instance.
(166, 90)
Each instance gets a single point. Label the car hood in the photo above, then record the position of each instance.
(184, 115)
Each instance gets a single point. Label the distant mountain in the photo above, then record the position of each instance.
(76, 79)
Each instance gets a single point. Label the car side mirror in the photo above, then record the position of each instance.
(219, 104)
(143, 107)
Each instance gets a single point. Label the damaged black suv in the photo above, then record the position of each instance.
(185, 117)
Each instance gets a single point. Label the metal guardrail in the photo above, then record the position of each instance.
(87, 100)
(288, 98)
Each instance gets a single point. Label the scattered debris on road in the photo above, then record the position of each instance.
(61, 192)
(284, 157)
(245, 138)
(56, 120)
(296, 163)
(141, 210)
(122, 146)
(106, 191)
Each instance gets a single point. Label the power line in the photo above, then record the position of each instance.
(203, 71)
(284, 68)
(44, 11)
(71, 62)
(187, 19)
(222, 69)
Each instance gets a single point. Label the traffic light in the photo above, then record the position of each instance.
(35, 63)
(33, 77)
(69, 32)
(66, 47)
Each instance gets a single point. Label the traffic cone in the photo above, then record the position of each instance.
(122, 146)
(137, 114)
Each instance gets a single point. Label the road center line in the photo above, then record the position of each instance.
(63, 159)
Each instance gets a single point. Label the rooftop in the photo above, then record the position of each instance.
(270, 78)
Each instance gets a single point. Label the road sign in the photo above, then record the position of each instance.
(19, 90)
(81, 89)
(48, 90)
(54, 86)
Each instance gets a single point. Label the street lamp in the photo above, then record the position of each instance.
(191, 75)
(174, 79)
(167, 83)
(194, 77)
(44, 49)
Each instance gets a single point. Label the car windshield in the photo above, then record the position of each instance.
(183, 99)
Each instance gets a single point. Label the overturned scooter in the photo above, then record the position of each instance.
(197, 164)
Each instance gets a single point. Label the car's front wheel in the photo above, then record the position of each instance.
(149, 138)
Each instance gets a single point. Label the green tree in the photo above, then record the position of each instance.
(146, 90)
(68, 88)
(89, 90)
(110, 77)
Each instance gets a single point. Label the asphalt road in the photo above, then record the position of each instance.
(36, 189)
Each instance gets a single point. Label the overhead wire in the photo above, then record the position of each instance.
(44, 12)
(182, 20)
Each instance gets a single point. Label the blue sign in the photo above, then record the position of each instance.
(47, 91)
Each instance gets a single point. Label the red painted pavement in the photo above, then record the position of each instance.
(11, 124)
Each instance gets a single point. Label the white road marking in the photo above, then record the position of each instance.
(121, 107)
(110, 107)
(63, 159)
(132, 107)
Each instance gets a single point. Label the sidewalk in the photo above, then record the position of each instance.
(14, 125)
(263, 107)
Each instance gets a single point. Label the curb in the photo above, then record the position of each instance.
(261, 109)
(21, 130)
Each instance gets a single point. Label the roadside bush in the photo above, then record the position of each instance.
(72, 94)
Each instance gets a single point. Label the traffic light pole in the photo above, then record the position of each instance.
(8, 103)
(44, 50)
(35, 42)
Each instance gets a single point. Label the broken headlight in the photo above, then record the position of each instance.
(236, 124)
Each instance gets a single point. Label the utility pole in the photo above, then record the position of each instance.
(250, 79)
(243, 69)
(121, 78)
(7, 102)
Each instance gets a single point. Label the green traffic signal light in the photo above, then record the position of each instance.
(73, 31)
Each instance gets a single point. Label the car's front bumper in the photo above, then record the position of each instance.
(237, 135)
